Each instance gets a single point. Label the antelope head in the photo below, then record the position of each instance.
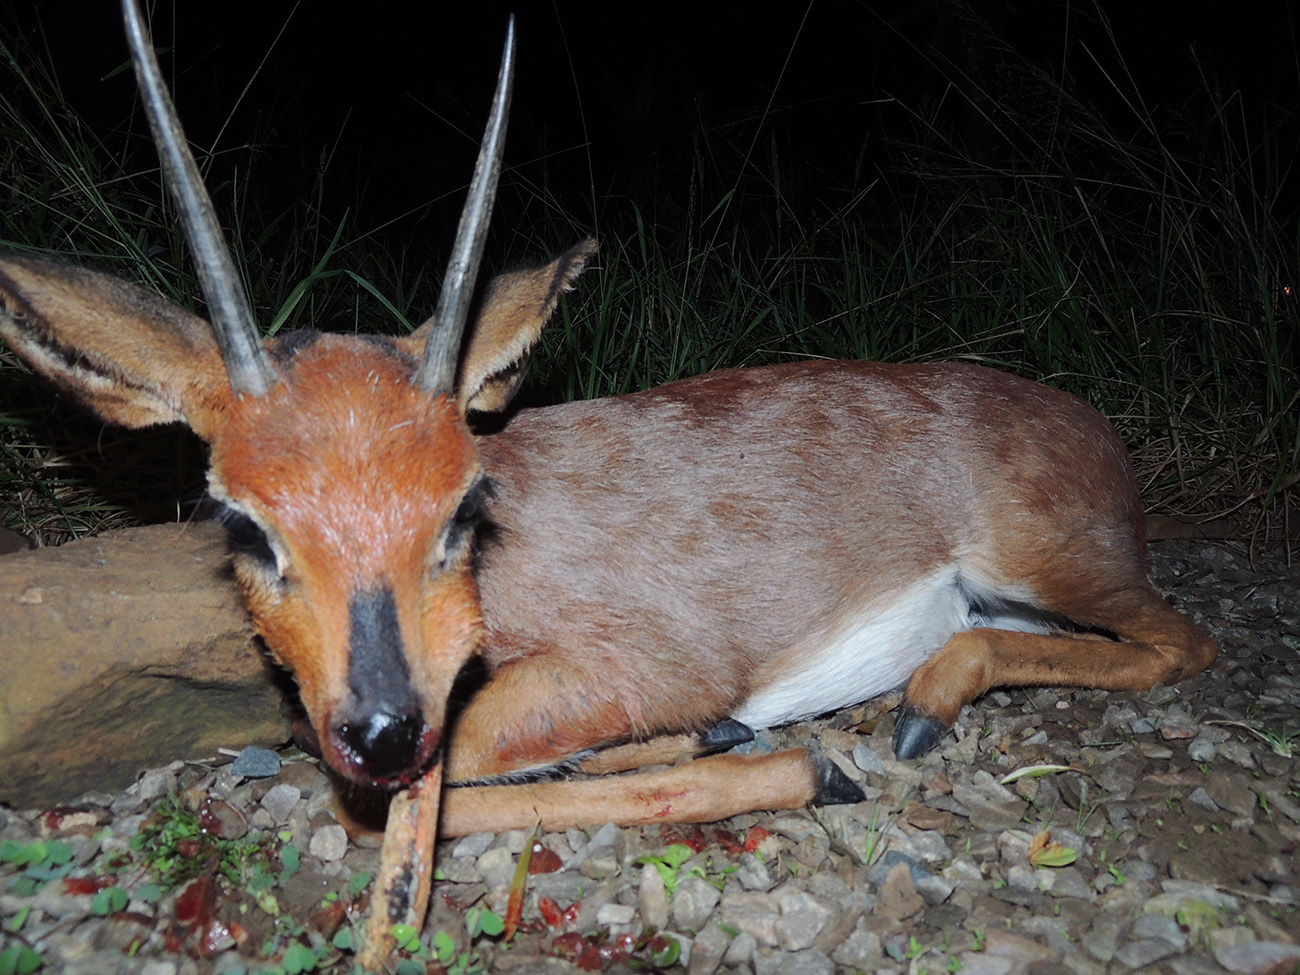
(343, 466)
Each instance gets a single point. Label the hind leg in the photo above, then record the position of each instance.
(1155, 644)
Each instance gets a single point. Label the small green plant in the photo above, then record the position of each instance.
(1281, 742)
(30, 855)
(481, 920)
(668, 955)
(110, 900)
(407, 938)
(176, 848)
(874, 842)
(1085, 809)
(290, 861)
(717, 877)
(19, 960)
(39, 862)
(298, 958)
(453, 961)
(669, 864)
(357, 883)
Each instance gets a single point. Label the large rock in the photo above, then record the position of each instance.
(124, 652)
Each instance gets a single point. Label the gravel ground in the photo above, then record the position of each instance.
(1162, 839)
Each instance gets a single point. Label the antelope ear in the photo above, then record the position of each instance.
(516, 306)
(132, 357)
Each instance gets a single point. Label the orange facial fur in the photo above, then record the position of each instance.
(354, 475)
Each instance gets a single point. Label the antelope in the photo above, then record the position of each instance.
(721, 554)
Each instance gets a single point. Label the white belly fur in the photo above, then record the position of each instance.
(876, 652)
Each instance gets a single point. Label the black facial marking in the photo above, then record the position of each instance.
(469, 515)
(377, 670)
(380, 728)
(247, 538)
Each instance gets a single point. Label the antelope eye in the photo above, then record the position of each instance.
(248, 539)
(468, 516)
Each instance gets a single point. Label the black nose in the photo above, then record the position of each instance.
(379, 730)
(383, 746)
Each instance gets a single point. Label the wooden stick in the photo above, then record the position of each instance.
(401, 891)
(703, 791)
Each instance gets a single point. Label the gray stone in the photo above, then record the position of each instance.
(933, 889)
(693, 902)
(808, 962)
(255, 762)
(753, 874)
(1202, 749)
(1238, 752)
(929, 848)
(1065, 882)
(652, 897)
(988, 814)
(615, 914)
(752, 912)
(860, 950)
(867, 760)
(329, 843)
(472, 846)
(741, 950)
(497, 866)
(605, 836)
(1101, 940)
(978, 963)
(1231, 791)
(1154, 926)
(802, 919)
(280, 800)
(1053, 930)
(1258, 957)
(1148, 951)
(710, 945)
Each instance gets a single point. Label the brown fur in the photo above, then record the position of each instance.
(655, 558)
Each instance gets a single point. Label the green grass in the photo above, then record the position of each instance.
(1152, 272)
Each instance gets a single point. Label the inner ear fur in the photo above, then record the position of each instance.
(130, 356)
(516, 306)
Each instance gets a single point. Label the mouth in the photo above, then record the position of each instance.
(413, 752)
(410, 753)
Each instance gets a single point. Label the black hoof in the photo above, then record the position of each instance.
(727, 733)
(915, 734)
(834, 788)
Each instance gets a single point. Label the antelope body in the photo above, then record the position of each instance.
(761, 545)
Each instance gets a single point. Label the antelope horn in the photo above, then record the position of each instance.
(437, 373)
(247, 363)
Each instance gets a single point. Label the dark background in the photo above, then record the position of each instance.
(617, 106)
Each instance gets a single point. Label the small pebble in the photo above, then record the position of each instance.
(256, 763)
(329, 843)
